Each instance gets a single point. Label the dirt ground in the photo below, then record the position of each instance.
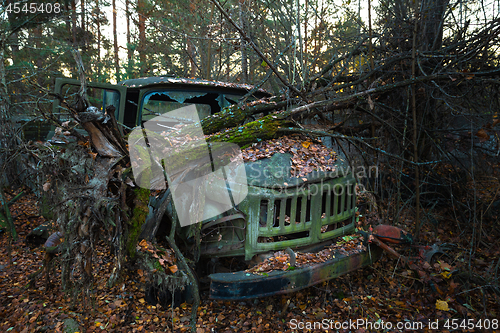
(454, 293)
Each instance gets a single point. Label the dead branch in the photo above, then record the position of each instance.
(258, 51)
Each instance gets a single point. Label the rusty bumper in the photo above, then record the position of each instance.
(243, 285)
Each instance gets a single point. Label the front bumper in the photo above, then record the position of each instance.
(243, 285)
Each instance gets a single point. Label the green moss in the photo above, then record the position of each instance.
(235, 115)
(228, 117)
(263, 129)
(139, 214)
(158, 266)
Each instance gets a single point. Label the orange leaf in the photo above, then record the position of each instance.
(482, 135)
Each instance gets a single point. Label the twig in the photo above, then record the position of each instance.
(8, 216)
(268, 75)
(332, 63)
(187, 270)
(258, 51)
(83, 80)
(56, 121)
(353, 138)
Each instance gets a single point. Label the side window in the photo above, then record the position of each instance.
(130, 112)
(98, 97)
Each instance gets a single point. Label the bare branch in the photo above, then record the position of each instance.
(258, 51)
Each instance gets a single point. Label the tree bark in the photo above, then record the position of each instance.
(83, 24)
(4, 112)
(115, 44)
(243, 44)
(127, 19)
(99, 38)
(141, 26)
(73, 21)
(432, 17)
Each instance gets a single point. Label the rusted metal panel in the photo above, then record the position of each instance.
(242, 285)
(392, 234)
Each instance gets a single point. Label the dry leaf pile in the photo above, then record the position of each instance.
(165, 257)
(385, 291)
(307, 156)
(347, 245)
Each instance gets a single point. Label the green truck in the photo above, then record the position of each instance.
(281, 215)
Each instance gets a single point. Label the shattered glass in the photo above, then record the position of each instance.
(156, 103)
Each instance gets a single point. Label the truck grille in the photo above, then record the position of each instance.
(302, 216)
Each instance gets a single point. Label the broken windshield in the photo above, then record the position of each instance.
(159, 102)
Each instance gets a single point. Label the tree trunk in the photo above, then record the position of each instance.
(83, 24)
(191, 57)
(99, 37)
(432, 17)
(4, 111)
(115, 44)
(141, 26)
(73, 21)
(82, 8)
(190, 49)
(208, 62)
(37, 37)
(243, 43)
(127, 19)
(14, 45)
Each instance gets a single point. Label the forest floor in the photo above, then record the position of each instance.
(458, 295)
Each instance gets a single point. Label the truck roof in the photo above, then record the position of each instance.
(161, 80)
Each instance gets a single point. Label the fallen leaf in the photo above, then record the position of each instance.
(442, 305)
(482, 135)
(46, 186)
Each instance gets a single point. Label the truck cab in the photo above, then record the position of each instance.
(139, 100)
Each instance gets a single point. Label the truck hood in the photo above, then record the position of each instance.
(275, 172)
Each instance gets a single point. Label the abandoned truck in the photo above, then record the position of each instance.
(296, 217)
